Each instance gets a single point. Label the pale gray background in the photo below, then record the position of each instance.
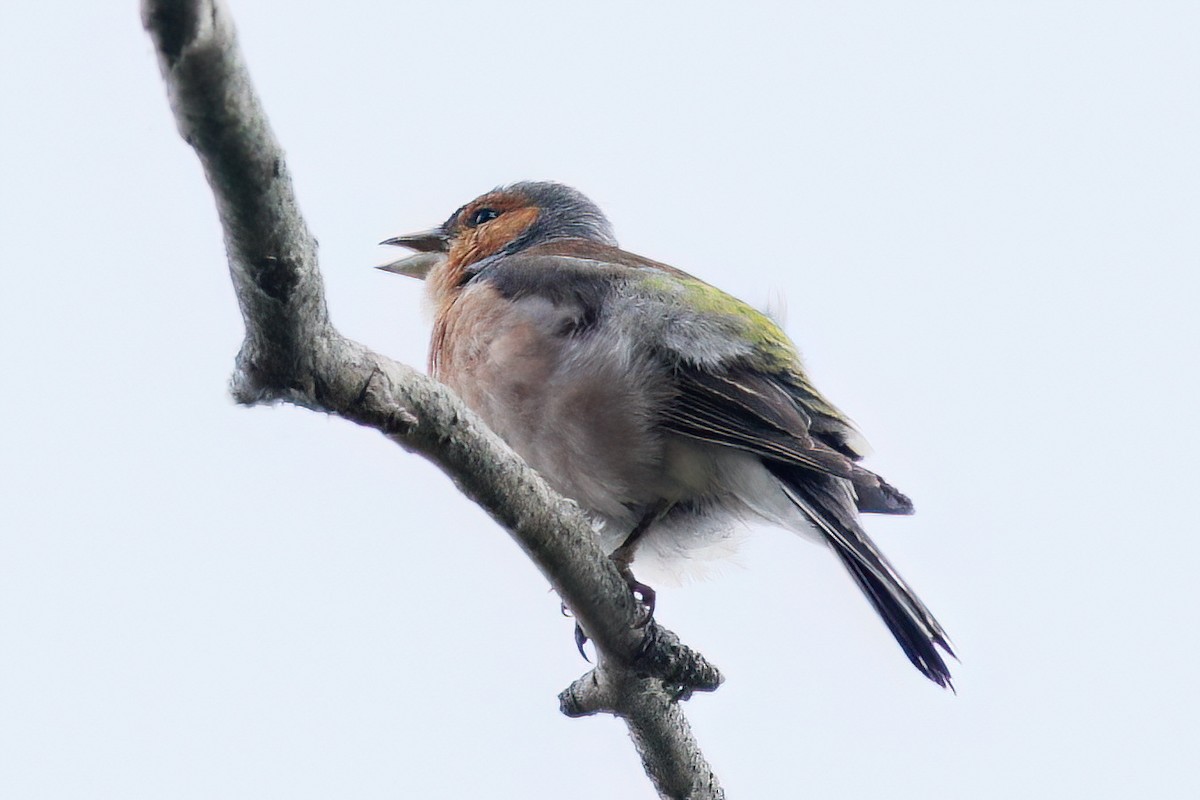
(982, 218)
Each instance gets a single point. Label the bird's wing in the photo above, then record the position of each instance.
(749, 411)
(760, 413)
(738, 379)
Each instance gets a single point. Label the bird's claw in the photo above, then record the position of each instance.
(581, 639)
(646, 597)
(643, 595)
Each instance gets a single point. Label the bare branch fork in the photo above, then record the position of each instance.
(293, 354)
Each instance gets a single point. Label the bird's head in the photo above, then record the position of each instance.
(502, 222)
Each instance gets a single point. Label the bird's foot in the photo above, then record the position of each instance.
(643, 594)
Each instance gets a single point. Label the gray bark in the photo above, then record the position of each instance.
(293, 354)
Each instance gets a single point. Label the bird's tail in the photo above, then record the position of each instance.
(829, 505)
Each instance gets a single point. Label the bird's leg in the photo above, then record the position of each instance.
(623, 558)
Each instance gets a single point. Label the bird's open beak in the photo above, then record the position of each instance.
(431, 247)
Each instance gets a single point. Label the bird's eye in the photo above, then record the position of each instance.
(481, 216)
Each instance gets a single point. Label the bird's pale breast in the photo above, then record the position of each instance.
(572, 399)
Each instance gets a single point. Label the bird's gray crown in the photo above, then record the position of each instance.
(566, 213)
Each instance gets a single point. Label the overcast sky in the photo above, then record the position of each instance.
(982, 219)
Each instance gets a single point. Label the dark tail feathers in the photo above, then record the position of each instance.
(918, 637)
(828, 503)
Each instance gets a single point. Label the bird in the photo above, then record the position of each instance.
(670, 411)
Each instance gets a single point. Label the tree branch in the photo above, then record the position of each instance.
(293, 354)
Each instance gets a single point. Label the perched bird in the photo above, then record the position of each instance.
(666, 408)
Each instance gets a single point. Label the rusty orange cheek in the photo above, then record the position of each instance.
(488, 239)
